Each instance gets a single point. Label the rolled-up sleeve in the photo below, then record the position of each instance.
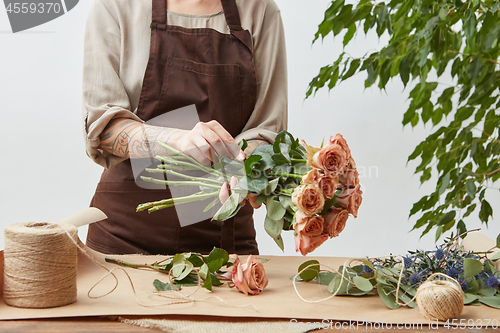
(270, 115)
(104, 96)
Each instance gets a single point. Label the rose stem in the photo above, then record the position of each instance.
(168, 202)
(181, 200)
(289, 175)
(298, 160)
(177, 183)
(289, 192)
(136, 266)
(178, 174)
(188, 164)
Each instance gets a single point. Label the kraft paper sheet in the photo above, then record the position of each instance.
(278, 300)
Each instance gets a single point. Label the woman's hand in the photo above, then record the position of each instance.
(206, 141)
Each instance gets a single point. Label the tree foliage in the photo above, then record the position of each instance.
(432, 39)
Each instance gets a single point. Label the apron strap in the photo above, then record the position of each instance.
(232, 15)
(159, 14)
(234, 23)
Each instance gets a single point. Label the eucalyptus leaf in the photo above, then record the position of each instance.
(311, 272)
(162, 286)
(472, 267)
(362, 283)
(275, 209)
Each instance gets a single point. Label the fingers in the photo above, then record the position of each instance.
(221, 141)
(224, 193)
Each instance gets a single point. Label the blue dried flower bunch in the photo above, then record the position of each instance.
(476, 274)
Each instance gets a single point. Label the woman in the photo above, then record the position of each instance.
(143, 60)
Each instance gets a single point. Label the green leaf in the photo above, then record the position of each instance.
(211, 205)
(387, 297)
(448, 217)
(217, 254)
(497, 255)
(469, 298)
(275, 209)
(215, 265)
(485, 212)
(162, 286)
(253, 184)
(250, 162)
(404, 70)
(362, 283)
(352, 69)
(243, 144)
(349, 34)
(493, 302)
(325, 277)
(228, 208)
(470, 188)
(337, 281)
(445, 182)
(498, 241)
(311, 272)
(472, 267)
(475, 69)
(271, 187)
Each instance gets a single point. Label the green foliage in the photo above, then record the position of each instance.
(478, 277)
(429, 39)
(184, 269)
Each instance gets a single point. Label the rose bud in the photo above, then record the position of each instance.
(350, 199)
(249, 276)
(335, 221)
(308, 198)
(350, 178)
(306, 244)
(308, 225)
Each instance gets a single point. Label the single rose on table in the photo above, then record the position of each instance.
(249, 276)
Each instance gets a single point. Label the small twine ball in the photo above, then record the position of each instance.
(440, 299)
(40, 261)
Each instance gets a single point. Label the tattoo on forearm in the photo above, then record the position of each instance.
(128, 138)
(252, 144)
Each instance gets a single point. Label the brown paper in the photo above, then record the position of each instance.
(278, 300)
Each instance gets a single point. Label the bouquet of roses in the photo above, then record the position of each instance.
(306, 189)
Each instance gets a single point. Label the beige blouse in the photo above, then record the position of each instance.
(117, 40)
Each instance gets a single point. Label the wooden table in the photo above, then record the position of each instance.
(112, 325)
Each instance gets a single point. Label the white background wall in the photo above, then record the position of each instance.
(45, 174)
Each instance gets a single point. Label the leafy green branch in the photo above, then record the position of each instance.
(430, 39)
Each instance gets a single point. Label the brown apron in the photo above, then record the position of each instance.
(215, 72)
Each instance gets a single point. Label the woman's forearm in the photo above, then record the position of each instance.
(132, 139)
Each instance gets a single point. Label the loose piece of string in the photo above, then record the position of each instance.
(181, 299)
(347, 264)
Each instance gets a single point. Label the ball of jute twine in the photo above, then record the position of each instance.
(440, 299)
(40, 264)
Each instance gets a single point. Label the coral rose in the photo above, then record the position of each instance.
(308, 225)
(335, 221)
(327, 184)
(308, 198)
(331, 159)
(350, 178)
(306, 244)
(249, 276)
(350, 199)
(339, 140)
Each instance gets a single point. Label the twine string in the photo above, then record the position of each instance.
(179, 296)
